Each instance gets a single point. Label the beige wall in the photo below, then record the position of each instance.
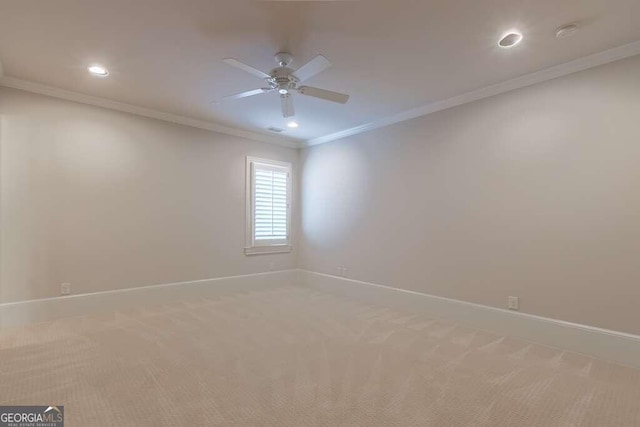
(534, 193)
(107, 200)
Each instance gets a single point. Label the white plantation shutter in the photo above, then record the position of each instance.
(270, 201)
(270, 204)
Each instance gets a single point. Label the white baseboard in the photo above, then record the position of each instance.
(24, 312)
(609, 345)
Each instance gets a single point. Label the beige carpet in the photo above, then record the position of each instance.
(297, 357)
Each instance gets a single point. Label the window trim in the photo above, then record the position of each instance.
(253, 247)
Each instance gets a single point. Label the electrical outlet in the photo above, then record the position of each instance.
(513, 303)
(65, 289)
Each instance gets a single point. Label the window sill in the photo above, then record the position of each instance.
(261, 250)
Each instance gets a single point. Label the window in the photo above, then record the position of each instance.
(268, 206)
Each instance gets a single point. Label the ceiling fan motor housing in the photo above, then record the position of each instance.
(283, 80)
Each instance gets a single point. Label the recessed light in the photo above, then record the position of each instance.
(292, 124)
(98, 70)
(510, 39)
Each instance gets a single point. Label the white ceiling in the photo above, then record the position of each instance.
(390, 56)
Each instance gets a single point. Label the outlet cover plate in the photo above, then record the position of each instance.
(65, 289)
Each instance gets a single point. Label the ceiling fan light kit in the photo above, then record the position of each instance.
(285, 81)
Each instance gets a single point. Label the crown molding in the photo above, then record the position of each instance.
(28, 86)
(553, 72)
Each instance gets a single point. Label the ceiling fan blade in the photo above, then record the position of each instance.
(247, 68)
(287, 105)
(311, 68)
(245, 94)
(340, 98)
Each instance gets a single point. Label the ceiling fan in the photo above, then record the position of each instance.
(285, 80)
